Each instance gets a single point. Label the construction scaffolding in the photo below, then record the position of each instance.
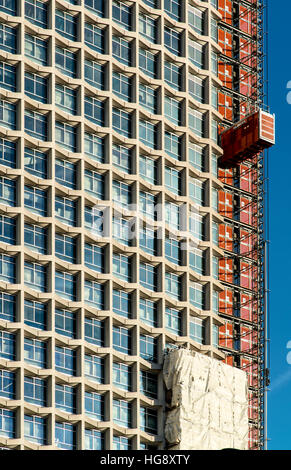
(242, 236)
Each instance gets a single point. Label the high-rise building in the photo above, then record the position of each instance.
(120, 235)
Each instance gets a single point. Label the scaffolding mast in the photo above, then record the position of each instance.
(241, 70)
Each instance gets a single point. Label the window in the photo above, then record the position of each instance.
(7, 76)
(122, 413)
(196, 191)
(173, 8)
(196, 122)
(121, 14)
(94, 110)
(197, 330)
(196, 226)
(94, 257)
(94, 184)
(148, 63)
(65, 285)
(94, 405)
(196, 53)
(215, 233)
(36, 87)
(122, 86)
(122, 157)
(148, 98)
(122, 376)
(8, 230)
(95, 38)
(94, 74)
(148, 348)
(214, 29)
(214, 131)
(65, 323)
(196, 156)
(173, 40)
(65, 173)
(94, 331)
(7, 423)
(35, 314)
(97, 6)
(35, 162)
(66, 136)
(66, 25)
(121, 194)
(148, 312)
(7, 153)
(151, 3)
(35, 124)
(66, 61)
(173, 250)
(149, 420)
(36, 12)
(66, 210)
(173, 285)
(214, 63)
(214, 165)
(147, 240)
(66, 99)
(148, 169)
(94, 147)
(121, 122)
(8, 6)
(121, 267)
(174, 321)
(35, 200)
(215, 308)
(122, 339)
(36, 238)
(35, 429)
(8, 269)
(196, 88)
(94, 219)
(36, 49)
(65, 398)
(172, 215)
(7, 192)
(215, 335)
(7, 384)
(122, 50)
(7, 115)
(35, 352)
(35, 276)
(94, 440)
(173, 75)
(121, 303)
(149, 384)
(148, 134)
(195, 19)
(94, 368)
(65, 436)
(65, 360)
(196, 260)
(35, 391)
(173, 180)
(122, 230)
(121, 443)
(196, 295)
(173, 145)
(7, 346)
(7, 307)
(214, 199)
(148, 204)
(148, 276)
(214, 97)
(8, 38)
(94, 294)
(148, 27)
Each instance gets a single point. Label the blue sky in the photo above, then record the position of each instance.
(279, 397)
